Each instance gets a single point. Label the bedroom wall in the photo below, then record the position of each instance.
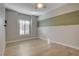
(12, 32)
(63, 28)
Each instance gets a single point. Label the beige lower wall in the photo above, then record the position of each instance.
(68, 35)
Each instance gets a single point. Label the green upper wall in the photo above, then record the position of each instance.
(65, 19)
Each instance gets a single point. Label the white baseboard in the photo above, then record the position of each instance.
(75, 47)
(21, 39)
(67, 45)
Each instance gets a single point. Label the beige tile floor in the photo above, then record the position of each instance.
(38, 47)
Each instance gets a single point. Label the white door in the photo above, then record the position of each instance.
(2, 29)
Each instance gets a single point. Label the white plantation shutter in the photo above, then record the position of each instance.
(27, 23)
(24, 27)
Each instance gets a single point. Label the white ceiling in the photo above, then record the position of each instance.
(29, 8)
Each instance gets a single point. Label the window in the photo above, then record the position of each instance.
(24, 27)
